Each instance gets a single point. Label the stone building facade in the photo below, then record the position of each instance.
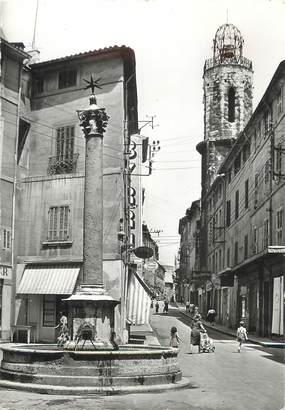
(188, 273)
(13, 130)
(42, 214)
(254, 201)
(227, 107)
(242, 217)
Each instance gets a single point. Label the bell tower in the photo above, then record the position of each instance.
(227, 99)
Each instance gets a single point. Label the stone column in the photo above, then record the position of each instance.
(93, 121)
(90, 303)
(93, 211)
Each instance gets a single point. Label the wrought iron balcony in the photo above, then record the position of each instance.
(62, 165)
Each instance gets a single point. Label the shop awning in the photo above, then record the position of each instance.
(49, 279)
(139, 300)
(226, 277)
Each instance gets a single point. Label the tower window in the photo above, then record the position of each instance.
(231, 104)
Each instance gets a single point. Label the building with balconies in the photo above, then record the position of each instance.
(254, 202)
(242, 201)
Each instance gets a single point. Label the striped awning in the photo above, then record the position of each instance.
(139, 300)
(49, 279)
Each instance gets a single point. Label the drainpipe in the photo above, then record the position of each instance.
(14, 276)
(127, 183)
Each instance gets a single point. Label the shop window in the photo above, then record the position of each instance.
(279, 225)
(6, 238)
(246, 194)
(48, 311)
(58, 223)
(231, 104)
(67, 78)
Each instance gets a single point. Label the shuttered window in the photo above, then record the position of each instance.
(67, 78)
(65, 143)
(6, 238)
(279, 225)
(58, 223)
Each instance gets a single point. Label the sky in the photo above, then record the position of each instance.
(171, 40)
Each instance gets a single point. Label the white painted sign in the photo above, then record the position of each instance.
(5, 272)
(151, 265)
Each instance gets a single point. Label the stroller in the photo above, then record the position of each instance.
(206, 343)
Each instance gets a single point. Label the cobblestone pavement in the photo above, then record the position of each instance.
(224, 380)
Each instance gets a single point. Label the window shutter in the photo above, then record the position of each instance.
(66, 222)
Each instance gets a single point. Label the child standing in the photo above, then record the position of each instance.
(156, 307)
(174, 338)
(241, 335)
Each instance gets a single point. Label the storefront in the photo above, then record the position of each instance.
(41, 290)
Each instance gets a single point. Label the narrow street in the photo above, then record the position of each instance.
(252, 380)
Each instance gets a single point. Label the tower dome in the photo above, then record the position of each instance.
(228, 44)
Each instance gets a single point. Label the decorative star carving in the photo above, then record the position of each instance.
(92, 84)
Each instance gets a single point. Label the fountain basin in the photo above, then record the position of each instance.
(45, 368)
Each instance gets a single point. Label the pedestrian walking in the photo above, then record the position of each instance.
(241, 335)
(211, 315)
(195, 335)
(174, 338)
(165, 309)
(156, 307)
(187, 306)
(191, 308)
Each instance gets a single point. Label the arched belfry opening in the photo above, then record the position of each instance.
(231, 104)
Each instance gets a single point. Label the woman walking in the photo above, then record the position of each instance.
(241, 335)
(195, 335)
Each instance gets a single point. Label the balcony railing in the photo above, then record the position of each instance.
(62, 165)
